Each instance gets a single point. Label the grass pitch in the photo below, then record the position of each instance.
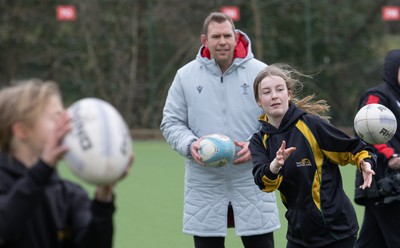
(150, 201)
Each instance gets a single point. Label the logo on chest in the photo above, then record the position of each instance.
(245, 89)
(305, 162)
(199, 88)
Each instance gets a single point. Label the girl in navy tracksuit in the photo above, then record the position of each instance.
(298, 152)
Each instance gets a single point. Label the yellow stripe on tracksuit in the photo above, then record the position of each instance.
(341, 158)
(270, 184)
(319, 159)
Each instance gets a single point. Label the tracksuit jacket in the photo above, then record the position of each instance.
(39, 210)
(310, 183)
(387, 94)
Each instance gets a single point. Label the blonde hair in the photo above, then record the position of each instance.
(23, 101)
(291, 76)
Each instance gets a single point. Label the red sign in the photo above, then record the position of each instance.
(232, 11)
(66, 13)
(391, 13)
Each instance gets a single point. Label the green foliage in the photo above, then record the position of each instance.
(127, 52)
(335, 41)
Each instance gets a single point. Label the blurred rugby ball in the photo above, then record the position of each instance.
(375, 124)
(99, 143)
(216, 150)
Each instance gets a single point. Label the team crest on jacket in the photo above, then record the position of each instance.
(199, 88)
(244, 88)
(304, 162)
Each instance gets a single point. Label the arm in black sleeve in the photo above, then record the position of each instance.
(260, 161)
(338, 147)
(91, 221)
(101, 227)
(18, 199)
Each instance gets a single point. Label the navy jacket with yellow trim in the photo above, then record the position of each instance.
(318, 210)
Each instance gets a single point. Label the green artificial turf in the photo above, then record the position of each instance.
(150, 201)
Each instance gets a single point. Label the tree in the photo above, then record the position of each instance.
(127, 51)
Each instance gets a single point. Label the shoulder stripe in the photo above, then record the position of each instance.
(264, 140)
(345, 158)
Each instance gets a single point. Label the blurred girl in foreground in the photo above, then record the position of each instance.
(37, 207)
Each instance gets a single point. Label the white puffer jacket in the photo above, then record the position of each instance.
(203, 101)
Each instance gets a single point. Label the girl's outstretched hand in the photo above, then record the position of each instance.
(281, 155)
(367, 173)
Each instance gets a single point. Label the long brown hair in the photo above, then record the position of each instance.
(294, 86)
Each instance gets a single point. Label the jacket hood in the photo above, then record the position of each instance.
(289, 120)
(391, 68)
(242, 52)
(11, 165)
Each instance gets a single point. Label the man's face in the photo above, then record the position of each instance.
(221, 41)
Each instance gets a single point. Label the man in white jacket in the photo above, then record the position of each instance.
(214, 94)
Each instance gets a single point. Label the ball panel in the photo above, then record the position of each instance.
(375, 124)
(104, 114)
(207, 149)
(74, 162)
(216, 150)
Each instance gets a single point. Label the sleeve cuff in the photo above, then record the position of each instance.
(188, 154)
(268, 173)
(103, 208)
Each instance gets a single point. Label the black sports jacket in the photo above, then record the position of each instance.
(318, 210)
(39, 210)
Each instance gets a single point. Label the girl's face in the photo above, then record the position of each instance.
(274, 97)
(44, 125)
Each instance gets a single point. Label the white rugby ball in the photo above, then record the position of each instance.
(216, 150)
(375, 124)
(99, 143)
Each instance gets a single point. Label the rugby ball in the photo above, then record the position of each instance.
(99, 143)
(375, 124)
(216, 150)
